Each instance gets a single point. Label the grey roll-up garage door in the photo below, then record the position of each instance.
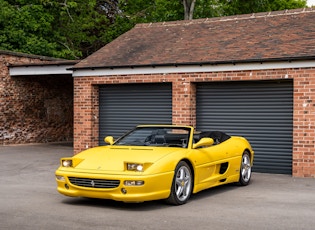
(124, 106)
(261, 111)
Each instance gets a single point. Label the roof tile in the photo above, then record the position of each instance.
(288, 34)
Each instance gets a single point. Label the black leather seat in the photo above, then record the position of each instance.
(217, 136)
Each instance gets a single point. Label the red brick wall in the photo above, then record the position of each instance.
(34, 109)
(184, 106)
(304, 123)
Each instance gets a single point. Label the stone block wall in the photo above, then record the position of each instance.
(34, 109)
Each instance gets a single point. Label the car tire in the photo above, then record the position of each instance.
(182, 184)
(245, 169)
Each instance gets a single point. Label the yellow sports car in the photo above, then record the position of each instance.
(154, 162)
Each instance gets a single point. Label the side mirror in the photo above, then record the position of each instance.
(109, 140)
(206, 141)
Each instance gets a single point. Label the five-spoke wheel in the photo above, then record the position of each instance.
(182, 184)
(245, 169)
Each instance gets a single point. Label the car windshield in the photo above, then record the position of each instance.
(157, 136)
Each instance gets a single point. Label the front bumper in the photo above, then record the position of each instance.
(155, 186)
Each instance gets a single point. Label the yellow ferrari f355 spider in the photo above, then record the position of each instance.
(154, 162)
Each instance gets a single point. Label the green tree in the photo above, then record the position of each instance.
(81, 26)
(26, 28)
(138, 11)
(69, 29)
(189, 7)
(166, 10)
(74, 29)
(208, 9)
(233, 7)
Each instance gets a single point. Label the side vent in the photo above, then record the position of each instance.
(224, 167)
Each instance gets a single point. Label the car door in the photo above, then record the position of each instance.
(211, 163)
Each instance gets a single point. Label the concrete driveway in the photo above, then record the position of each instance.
(29, 200)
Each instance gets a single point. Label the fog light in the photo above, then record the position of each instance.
(66, 186)
(61, 178)
(123, 190)
(133, 182)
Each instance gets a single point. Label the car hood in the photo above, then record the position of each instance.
(113, 158)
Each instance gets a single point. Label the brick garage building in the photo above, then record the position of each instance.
(36, 99)
(250, 75)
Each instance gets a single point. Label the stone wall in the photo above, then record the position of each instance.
(34, 109)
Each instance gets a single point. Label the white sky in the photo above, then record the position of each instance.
(311, 2)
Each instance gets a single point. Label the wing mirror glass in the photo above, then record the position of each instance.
(109, 140)
(204, 142)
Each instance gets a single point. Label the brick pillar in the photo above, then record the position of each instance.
(304, 124)
(184, 102)
(85, 114)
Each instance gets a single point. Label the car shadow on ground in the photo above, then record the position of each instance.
(118, 205)
(148, 205)
(210, 192)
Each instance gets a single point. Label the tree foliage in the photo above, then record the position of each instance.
(233, 7)
(74, 29)
(26, 28)
(60, 28)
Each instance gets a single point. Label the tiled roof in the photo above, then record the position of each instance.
(19, 54)
(47, 63)
(280, 35)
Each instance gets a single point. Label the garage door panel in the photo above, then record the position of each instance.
(261, 111)
(122, 107)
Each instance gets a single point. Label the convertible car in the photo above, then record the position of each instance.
(155, 162)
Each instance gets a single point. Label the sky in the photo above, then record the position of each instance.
(311, 2)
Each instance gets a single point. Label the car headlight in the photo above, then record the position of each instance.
(66, 163)
(135, 167)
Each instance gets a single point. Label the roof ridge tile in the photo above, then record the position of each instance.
(228, 18)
